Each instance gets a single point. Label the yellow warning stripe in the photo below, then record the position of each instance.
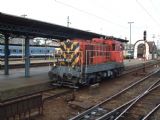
(75, 51)
(75, 54)
(71, 49)
(75, 61)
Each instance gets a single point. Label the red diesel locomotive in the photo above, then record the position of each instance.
(84, 62)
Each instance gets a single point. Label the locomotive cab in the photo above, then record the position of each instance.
(67, 69)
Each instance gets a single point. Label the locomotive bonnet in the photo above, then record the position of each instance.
(83, 62)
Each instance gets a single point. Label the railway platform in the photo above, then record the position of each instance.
(15, 84)
(133, 63)
(19, 63)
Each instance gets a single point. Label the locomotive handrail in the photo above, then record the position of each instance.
(108, 54)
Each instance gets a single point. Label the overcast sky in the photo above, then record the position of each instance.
(108, 17)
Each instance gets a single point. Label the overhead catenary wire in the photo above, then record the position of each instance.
(148, 13)
(91, 14)
(154, 8)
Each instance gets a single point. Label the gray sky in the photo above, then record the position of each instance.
(109, 17)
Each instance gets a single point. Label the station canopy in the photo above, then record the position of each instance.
(15, 25)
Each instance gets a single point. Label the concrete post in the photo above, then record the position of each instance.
(27, 57)
(7, 52)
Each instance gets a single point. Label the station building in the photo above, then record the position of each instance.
(145, 50)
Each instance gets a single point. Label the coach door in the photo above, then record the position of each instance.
(89, 54)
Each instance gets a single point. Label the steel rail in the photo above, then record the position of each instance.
(116, 109)
(130, 103)
(56, 95)
(151, 112)
(142, 95)
(81, 115)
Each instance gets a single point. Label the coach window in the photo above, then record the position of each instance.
(113, 46)
(96, 51)
(109, 48)
(104, 50)
(14, 50)
(0, 50)
(118, 47)
(94, 54)
(108, 55)
(20, 51)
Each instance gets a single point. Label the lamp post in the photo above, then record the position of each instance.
(68, 21)
(144, 38)
(130, 23)
(45, 40)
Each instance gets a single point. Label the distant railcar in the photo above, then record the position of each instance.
(83, 62)
(35, 51)
(128, 54)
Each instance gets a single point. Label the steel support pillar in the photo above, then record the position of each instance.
(27, 58)
(6, 53)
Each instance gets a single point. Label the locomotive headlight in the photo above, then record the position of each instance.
(73, 66)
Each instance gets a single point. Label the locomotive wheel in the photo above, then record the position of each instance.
(113, 74)
(98, 78)
(50, 74)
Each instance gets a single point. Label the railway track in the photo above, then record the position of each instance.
(30, 105)
(134, 111)
(149, 115)
(14, 66)
(113, 106)
(54, 93)
(43, 96)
